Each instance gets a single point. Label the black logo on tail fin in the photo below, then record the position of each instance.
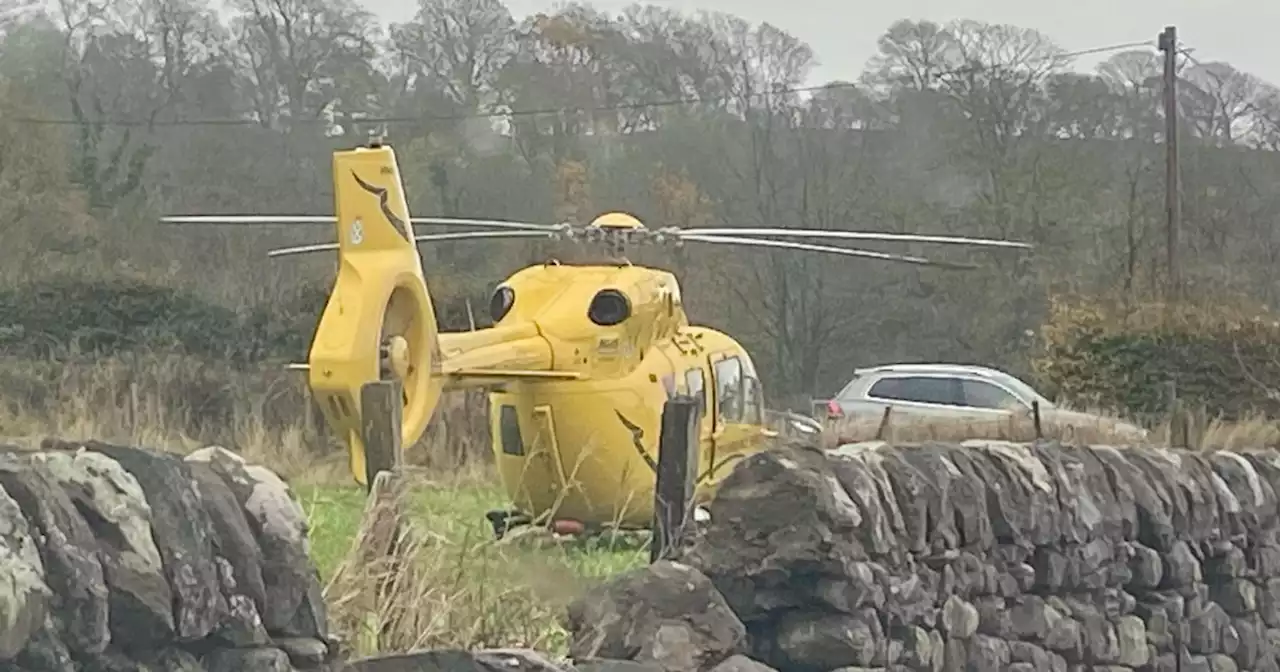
(400, 225)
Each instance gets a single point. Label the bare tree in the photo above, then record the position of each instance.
(457, 46)
(912, 55)
(301, 59)
(1220, 102)
(127, 66)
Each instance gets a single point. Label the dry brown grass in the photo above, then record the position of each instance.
(179, 404)
(1188, 429)
(402, 586)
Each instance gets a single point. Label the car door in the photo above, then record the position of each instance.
(984, 397)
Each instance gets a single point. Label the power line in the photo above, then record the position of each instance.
(548, 111)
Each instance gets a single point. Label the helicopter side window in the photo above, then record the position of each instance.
(509, 427)
(753, 403)
(694, 381)
(729, 389)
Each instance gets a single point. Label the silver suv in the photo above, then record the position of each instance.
(942, 391)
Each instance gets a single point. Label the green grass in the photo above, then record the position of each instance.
(455, 513)
(470, 590)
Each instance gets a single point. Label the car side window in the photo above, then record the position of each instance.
(920, 389)
(981, 394)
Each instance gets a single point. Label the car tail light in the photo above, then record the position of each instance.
(834, 410)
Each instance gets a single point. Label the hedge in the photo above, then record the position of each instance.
(53, 317)
(1222, 357)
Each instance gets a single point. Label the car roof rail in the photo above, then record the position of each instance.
(936, 368)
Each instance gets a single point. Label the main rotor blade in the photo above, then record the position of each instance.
(427, 238)
(246, 220)
(809, 247)
(490, 223)
(857, 235)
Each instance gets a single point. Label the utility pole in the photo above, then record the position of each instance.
(1168, 44)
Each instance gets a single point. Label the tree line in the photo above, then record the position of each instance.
(117, 111)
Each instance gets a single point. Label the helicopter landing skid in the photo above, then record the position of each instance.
(505, 521)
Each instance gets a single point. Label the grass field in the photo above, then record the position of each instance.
(453, 514)
(470, 589)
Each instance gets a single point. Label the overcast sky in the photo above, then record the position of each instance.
(843, 32)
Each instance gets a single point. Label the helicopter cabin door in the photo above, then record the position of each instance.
(695, 385)
(737, 412)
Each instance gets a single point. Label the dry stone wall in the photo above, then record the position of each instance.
(119, 559)
(989, 556)
(941, 557)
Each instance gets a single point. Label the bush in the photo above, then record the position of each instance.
(59, 316)
(1219, 356)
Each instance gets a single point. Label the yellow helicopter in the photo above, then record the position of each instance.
(579, 361)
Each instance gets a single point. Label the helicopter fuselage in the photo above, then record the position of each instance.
(586, 449)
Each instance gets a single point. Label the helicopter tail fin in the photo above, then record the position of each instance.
(369, 201)
(379, 322)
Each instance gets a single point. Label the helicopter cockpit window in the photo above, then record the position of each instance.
(501, 302)
(693, 380)
(729, 389)
(609, 307)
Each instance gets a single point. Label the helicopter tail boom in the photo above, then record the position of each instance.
(497, 354)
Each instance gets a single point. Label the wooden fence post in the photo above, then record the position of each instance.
(1178, 430)
(677, 470)
(884, 423)
(380, 412)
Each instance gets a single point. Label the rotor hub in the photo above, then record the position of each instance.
(394, 357)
